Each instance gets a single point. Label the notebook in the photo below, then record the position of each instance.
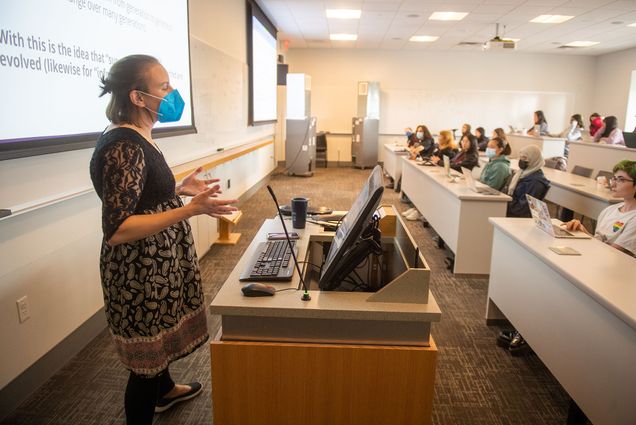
(470, 182)
(541, 217)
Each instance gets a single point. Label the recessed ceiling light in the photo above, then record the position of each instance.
(632, 25)
(551, 19)
(447, 16)
(424, 38)
(617, 23)
(396, 38)
(343, 37)
(413, 15)
(344, 13)
(582, 43)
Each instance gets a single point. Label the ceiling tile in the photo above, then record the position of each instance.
(303, 22)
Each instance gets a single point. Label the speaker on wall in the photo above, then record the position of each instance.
(282, 71)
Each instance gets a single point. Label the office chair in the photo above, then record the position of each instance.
(582, 171)
(607, 174)
(557, 162)
(568, 214)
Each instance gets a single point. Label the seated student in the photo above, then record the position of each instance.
(496, 172)
(466, 129)
(616, 225)
(445, 146)
(410, 136)
(499, 132)
(610, 133)
(540, 126)
(425, 140)
(573, 133)
(596, 122)
(529, 179)
(482, 139)
(468, 156)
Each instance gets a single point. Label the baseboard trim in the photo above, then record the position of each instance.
(18, 390)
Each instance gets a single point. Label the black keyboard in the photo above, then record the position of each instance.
(271, 262)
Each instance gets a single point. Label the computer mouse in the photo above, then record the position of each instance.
(258, 290)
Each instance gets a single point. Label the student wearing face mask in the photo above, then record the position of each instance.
(410, 136)
(496, 172)
(149, 269)
(616, 225)
(540, 126)
(468, 156)
(423, 143)
(426, 140)
(528, 180)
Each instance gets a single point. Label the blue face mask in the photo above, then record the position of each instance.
(491, 153)
(170, 108)
(420, 135)
(408, 133)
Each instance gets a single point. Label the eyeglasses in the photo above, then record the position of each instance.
(620, 179)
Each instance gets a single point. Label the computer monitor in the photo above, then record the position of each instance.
(355, 222)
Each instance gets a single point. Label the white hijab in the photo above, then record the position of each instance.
(532, 154)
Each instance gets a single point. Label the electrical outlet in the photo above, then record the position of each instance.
(228, 183)
(23, 309)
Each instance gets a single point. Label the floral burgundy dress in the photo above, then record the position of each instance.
(152, 286)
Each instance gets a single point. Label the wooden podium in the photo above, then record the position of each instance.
(286, 383)
(341, 358)
(226, 237)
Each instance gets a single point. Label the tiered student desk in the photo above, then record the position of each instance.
(578, 313)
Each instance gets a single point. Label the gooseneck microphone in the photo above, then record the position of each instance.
(306, 296)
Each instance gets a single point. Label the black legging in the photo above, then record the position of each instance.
(142, 394)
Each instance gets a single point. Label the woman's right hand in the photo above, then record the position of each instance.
(575, 225)
(207, 203)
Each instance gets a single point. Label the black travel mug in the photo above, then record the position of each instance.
(299, 212)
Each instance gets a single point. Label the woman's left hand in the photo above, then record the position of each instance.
(191, 186)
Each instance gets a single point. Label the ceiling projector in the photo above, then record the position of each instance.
(498, 43)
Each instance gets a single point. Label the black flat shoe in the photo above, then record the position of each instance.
(504, 338)
(165, 403)
(518, 346)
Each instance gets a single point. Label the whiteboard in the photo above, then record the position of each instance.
(443, 110)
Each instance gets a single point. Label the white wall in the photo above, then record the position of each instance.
(335, 73)
(51, 254)
(612, 85)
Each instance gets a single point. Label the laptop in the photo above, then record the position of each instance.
(483, 189)
(541, 217)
